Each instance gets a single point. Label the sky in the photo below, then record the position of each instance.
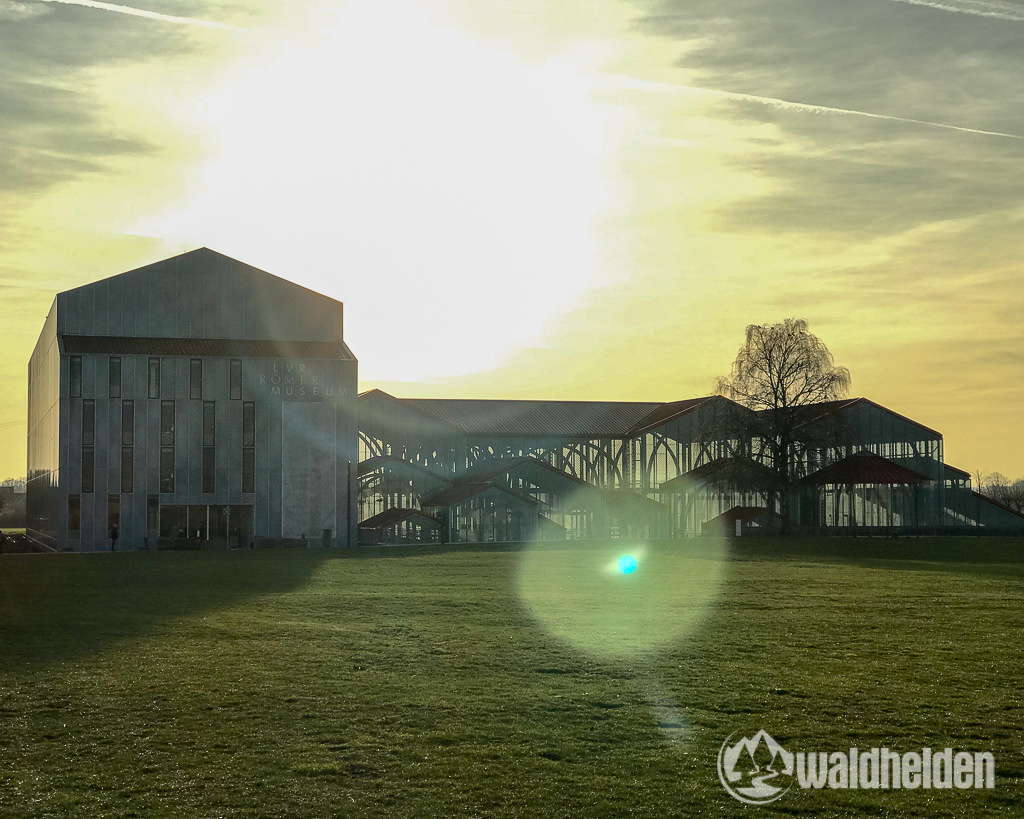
(576, 199)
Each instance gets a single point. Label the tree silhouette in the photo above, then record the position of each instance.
(780, 369)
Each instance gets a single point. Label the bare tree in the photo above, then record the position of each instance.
(979, 479)
(779, 370)
(1015, 495)
(996, 487)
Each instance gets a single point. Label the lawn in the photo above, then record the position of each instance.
(500, 681)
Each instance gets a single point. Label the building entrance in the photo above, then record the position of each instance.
(214, 524)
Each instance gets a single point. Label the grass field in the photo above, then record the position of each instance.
(500, 681)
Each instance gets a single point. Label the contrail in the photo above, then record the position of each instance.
(978, 8)
(789, 105)
(150, 15)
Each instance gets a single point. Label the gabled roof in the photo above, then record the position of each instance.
(201, 294)
(455, 495)
(400, 466)
(394, 515)
(865, 468)
(814, 412)
(675, 409)
(536, 419)
(620, 499)
(745, 514)
(382, 410)
(530, 467)
(717, 468)
(952, 473)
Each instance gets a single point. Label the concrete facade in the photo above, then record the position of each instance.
(195, 399)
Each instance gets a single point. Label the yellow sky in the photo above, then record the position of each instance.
(580, 200)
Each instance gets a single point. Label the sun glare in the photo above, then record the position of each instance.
(441, 189)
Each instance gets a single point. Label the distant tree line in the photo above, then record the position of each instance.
(1001, 489)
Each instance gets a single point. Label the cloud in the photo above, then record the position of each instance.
(803, 107)
(884, 58)
(149, 15)
(15, 10)
(979, 8)
(53, 134)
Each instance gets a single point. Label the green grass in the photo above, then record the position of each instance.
(499, 681)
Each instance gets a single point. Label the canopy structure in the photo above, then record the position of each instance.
(867, 469)
(607, 469)
(865, 489)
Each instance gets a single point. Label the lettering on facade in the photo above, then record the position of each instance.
(298, 382)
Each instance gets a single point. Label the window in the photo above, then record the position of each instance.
(236, 379)
(166, 423)
(209, 466)
(127, 423)
(75, 378)
(248, 470)
(209, 441)
(248, 446)
(113, 512)
(88, 468)
(127, 469)
(167, 469)
(88, 422)
(74, 515)
(88, 443)
(209, 423)
(115, 377)
(195, 378)
(154, 378)
(249, 423)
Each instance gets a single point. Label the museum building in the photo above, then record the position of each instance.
(200, 402)
(197, 399)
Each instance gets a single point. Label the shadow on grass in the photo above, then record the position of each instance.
(58, 607)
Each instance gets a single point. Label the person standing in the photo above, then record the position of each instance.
(113, 537)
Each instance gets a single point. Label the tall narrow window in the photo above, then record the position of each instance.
(88, 444)
(154, 378)
(166, 423)
(74, 515)
(127, 469)
(248, 446)
(195, 378)
(166, 446)
(88, 422)
(153, 513)
(236, 379)
(113, 512)
(249, 423)
(115, 377)
(88, 469)
(167, 469)
(127, 423)
(209, 470)
(248, 470)
(209, 423)
(209, 441)
(75, 376)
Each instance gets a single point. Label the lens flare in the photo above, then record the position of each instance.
(616, 603)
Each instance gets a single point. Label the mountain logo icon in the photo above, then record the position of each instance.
(756, 770)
